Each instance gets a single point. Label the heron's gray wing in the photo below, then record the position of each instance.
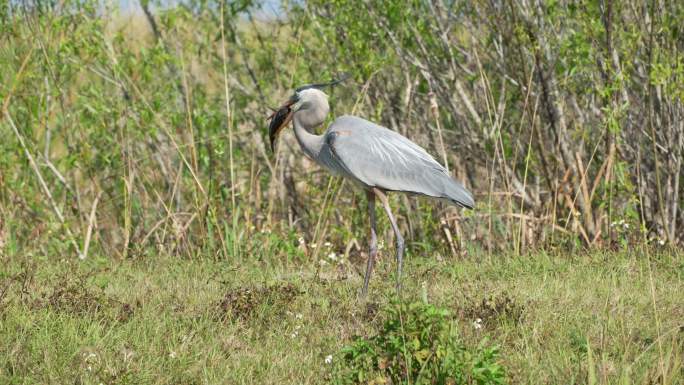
(378, 157)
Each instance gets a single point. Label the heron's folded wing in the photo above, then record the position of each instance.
(379, 157)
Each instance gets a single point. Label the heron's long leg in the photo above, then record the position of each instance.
(373, 242)
(397, 234)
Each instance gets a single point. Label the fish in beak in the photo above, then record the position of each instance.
(283, 115)
(279, 119)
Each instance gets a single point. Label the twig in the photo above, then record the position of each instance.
(91, 224)
(42, 183)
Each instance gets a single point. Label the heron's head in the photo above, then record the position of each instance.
(308, 98)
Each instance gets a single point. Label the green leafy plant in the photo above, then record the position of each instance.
(418, 344)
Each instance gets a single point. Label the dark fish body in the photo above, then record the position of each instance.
(278, 118)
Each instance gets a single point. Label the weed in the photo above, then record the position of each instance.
(75, 298)
(371, 311)
(493, 307)
(244, 303)
(125, 312)
(417, 345)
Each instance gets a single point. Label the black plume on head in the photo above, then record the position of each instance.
(319, 86)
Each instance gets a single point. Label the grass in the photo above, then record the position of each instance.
(559, 319)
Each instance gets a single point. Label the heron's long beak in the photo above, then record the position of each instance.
(279, 119)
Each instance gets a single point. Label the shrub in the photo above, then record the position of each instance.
(418, 344)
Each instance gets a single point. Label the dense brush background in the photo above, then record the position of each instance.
(146, 127)
(138, 130)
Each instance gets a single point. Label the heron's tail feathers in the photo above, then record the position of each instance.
(456, 194)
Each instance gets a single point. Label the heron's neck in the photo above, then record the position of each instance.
(311, 144)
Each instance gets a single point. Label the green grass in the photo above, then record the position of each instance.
(558, 319)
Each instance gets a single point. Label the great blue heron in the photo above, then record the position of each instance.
(373, 157)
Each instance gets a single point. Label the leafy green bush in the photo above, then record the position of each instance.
(417, 345)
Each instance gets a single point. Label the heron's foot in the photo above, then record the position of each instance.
(364, 292)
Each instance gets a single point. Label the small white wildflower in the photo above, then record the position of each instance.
(625, 226)
(299, 316)
(327, 244)
(301, 240)
(173, 354)
(332, 256)
(328, 359)
(313, 245)
(295, 334)
(661, 242)
(477, 324)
